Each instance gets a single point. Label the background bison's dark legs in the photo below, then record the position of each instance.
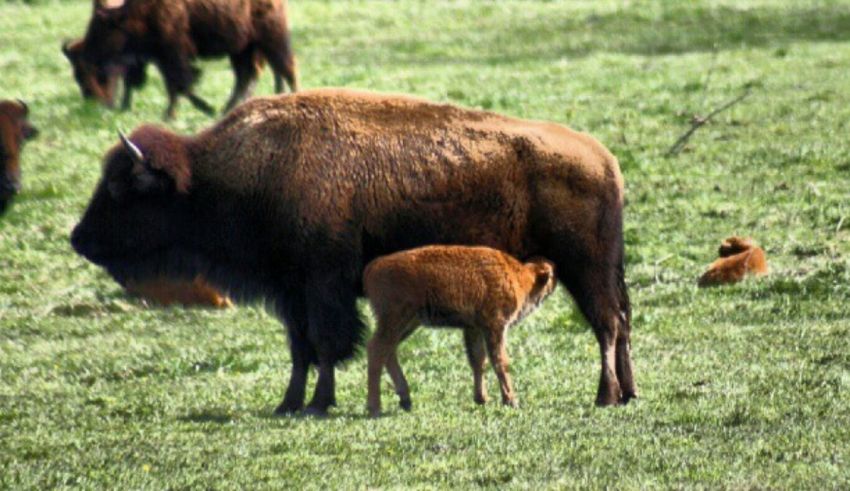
(245, 69)
(133, 79)
(179, 77)
(282, 61)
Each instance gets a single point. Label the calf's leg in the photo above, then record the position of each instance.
(499, 359)
(399, 381)
(476, 353)
(381, 351)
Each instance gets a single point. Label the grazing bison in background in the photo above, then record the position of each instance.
(172, 33)
(14, 131)
(482, 290)
(289, 197)
(739, 257)
(100, 82)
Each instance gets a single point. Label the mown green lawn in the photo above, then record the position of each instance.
(741, 387)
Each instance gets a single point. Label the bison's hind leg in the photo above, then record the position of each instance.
(599, 298)
(279, 54)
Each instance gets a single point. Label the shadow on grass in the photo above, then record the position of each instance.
(554, 35)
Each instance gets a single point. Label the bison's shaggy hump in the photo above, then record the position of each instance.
(289, 198)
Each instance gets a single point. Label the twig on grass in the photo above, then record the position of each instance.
(699, 121)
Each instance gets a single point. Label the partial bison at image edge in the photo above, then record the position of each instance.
(287, 198)
(15, 129)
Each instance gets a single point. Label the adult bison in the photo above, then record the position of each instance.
(171, 33)
(14, 131)
(289, 197)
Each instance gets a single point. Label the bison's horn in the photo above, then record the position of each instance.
(24, 105)
(135, 154)
(66, 46)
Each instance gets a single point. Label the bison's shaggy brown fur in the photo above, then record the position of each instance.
(739, 257)
(172, 33)
(15, 129)
(290, 197)
(482, 290)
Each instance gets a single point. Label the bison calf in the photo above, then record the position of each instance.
(738, 258)
(482, 290)
(14, 131)
(173, 33)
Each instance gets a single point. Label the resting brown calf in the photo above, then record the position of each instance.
(479, 289)
(167, 291)
(14, 131)
(738, 257)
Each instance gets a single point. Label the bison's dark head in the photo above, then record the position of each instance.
(139, 217)
(15, 129)
(96, 81)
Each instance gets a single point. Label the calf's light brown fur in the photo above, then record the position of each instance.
(738, 257)
(479, 289)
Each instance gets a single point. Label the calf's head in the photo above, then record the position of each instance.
(14, 131)
(140, 210)
(544, 279)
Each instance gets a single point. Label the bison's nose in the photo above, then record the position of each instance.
(7, 190)
(83, 247)
(30, 132)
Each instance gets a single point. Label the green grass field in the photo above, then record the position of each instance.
(741, 387)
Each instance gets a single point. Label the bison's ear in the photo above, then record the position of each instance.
(144, 178)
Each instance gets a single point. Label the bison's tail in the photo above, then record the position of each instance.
(622, 290)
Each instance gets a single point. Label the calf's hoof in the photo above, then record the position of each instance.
(374, 413)
(405, 404)
(511, 403)
(480, 399)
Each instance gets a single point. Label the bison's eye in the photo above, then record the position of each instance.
(117, 190)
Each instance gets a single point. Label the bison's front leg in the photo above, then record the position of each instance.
(335, 330)
(293, 312)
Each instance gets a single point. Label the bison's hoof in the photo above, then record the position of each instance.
(316, 411)
(287, 408)
(374, 413)
(405, 404)
(628, 396)
(511, 403)
(480, 399)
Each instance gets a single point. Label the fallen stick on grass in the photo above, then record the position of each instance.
(698, 121)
